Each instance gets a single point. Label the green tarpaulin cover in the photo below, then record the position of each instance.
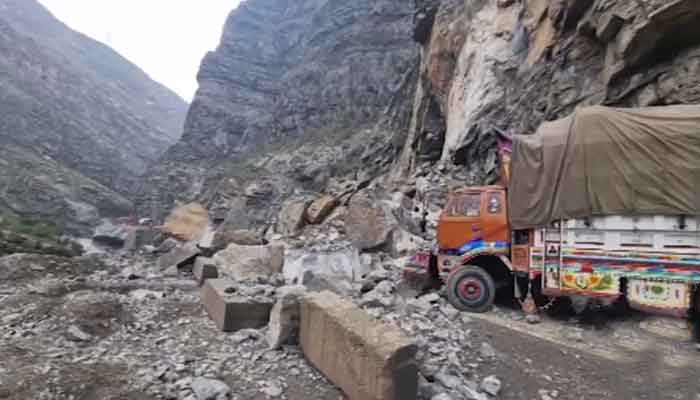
(607, 161)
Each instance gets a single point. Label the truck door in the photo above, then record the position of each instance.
(494, 222)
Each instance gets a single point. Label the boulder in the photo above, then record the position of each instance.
(167, 246)
(204, 268)
(369, 221)
(292, 217)
(284, 318)
(225, 235)
(179, 256)
(320, 209)
(318, 282)
(404, 243)
(210, 389)
(337, 264)
(410, 214)
(380, 296)
(491, 385)
(188, 222)
(250, 262)
(255, 207)
(231, 311)
(109, 234)
(206, 241)
(367, 359)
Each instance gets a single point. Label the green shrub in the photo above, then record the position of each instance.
(29, 227)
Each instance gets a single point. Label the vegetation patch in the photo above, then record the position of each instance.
(29, 227)
(25, 235)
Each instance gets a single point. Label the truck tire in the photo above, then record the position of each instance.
(471, 289)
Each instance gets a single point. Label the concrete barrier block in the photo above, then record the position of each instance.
(367, 359)
(204, 268)
(230, 311)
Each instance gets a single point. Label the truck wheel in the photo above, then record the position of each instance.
(472, 289)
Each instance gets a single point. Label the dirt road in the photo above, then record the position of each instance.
(617, 359)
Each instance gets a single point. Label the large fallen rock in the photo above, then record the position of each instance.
(188, 222)
(409, 213)
(367, 359)
(320, 209)
(404, 243)
(336, 264)
(318, 282)
(250, 262)
(179, 256)
(292, 217)
(380, 296)
(210, 389)
(226, 235)
(166, 246)
(230, 310)
(369, 221)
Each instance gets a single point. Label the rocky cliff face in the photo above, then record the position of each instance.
(324, 95)
(79, 122)
(297, 93)
(506, 66)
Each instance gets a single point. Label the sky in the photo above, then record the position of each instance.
(166, 38)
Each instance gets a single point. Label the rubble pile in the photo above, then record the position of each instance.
(255, 292)
(179, 321)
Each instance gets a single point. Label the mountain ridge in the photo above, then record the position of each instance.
(72, 100)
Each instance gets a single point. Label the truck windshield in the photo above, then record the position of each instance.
(468, 205)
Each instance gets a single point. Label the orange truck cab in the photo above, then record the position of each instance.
(473, 229)
(474, 251)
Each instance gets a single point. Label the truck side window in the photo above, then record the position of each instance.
(453, 206)
(494, 203)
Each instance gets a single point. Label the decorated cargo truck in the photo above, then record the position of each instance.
(598, 207)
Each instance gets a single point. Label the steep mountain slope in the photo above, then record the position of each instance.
(79, 122)
(297, 92)
(327, 95)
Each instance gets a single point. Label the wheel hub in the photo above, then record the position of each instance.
(470, 289)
